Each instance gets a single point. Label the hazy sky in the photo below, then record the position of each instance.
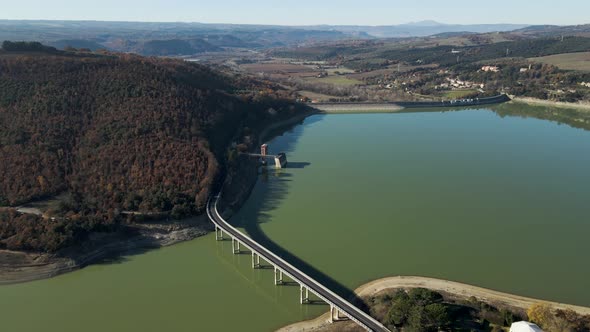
(304, 12)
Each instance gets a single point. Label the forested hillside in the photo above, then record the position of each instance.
(116, 133)
(175, 47)
(372, 56)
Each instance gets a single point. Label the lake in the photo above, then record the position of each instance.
(469, 196)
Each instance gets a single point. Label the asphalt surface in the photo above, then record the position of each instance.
(347, 308)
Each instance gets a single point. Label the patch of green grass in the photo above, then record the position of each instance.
(342, 70)
(567, 61)
(337, 80)
(455, 94)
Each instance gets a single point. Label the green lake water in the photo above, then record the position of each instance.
(469, 196)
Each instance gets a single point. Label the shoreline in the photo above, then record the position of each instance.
(357, 108)
(457, 289)
(549, 103)
(37, 266)
(21, 267)
(266, 135)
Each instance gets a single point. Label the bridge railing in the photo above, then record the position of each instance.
(269, 256)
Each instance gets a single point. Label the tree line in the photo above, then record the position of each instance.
(117, 133)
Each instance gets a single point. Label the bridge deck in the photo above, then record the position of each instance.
(347, 308)
(262, 155)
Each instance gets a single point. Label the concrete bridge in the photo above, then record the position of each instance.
(338, 305)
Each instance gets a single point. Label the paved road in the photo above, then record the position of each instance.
(345, 307)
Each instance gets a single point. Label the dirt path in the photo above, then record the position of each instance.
(458, 289)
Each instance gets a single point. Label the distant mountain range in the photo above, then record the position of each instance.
(125, 36)
(556, 30)
(150, 38)
(419, 29)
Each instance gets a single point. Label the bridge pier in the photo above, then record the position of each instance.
(282, 267)
(235, 246)
(278, 276)
(218, 233)
(255, 260)
(334, 314)
(303, 294)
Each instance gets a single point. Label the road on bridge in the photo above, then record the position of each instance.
(347, 308)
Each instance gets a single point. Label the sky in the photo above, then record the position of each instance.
(304, 12)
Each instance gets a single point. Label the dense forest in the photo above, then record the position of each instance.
(116, 133)
(175, 47)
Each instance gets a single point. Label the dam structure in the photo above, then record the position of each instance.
(394, 106)
(338, 306)
(280, 159)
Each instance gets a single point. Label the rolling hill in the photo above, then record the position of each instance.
(114, 132)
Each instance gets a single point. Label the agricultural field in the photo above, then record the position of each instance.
(341, 80)
(403, 68)
(341, 70)
(318, 97)
(276, 67)
(568, 61)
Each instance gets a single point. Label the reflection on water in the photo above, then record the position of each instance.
(577, 118)
(194, 286)
(463, 195)
(499, 202)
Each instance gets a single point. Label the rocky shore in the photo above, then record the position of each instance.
(16, 267)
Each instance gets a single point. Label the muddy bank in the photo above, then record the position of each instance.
(16, 267)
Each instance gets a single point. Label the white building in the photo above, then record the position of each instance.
(524, 327)
(493, 69)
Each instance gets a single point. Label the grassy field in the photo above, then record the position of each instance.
(458, 94)
(274, 67)
(567, 61)
(391, 70)
(342, 70)
(336, 80)
(316, 96)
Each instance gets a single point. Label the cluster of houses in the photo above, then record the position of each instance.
(460, 84)
(496, 69)
(586, 84)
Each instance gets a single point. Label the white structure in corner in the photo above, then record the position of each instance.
(524, 327)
